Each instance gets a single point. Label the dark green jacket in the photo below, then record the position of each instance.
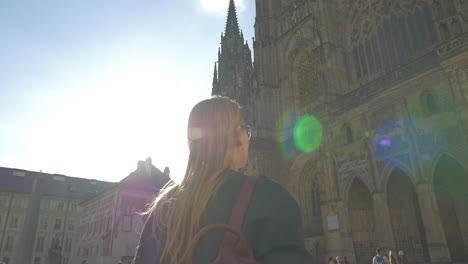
(272, 225)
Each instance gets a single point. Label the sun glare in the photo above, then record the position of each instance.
(119, 117)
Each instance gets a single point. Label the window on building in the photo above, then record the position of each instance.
(14, 221)
(71, 225)
(1, 221)
(306, 76)
(127, 223)
(6, 260)
(19, 173)
(73, 207)
(43, 223)
(316, 211)
(65, 260)
(3, 201)
(58, 223)
(60, 206)
(17, 203)
(55, 241)
(37, 260)
(40, 244)
(45, 204)
(10, 240)
(392, 39)
(68, 244)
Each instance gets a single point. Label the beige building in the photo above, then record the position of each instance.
(110, 226)
(38, 209)
(360, 109)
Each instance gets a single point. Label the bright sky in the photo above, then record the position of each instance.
(90, 87)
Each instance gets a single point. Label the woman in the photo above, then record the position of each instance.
(393, 257)
(402, 258)
(219, 142)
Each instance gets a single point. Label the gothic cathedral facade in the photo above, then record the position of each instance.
(386, 81)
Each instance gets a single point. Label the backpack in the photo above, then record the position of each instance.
(379, 259)
(235, 248)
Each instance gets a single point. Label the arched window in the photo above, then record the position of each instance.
(386, 35)
(316, 211)
(306, 77)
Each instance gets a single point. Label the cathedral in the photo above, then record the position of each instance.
(360, 109)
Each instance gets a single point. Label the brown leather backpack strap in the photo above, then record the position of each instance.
(242, 203)
(237, 218)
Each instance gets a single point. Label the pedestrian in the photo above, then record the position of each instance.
(338, 260)
(331, 260)
(379, 258)
(345, 260)
(393, 257)
(402, 258)
(218, 140)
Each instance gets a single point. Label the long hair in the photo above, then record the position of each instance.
(177, 211)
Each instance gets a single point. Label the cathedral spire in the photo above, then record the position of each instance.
(215, 76)
(232, 26)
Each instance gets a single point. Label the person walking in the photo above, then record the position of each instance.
(218, 140)
(402, 258)
(338, 260)
(345, 260)
(393, 257)
(379, 258)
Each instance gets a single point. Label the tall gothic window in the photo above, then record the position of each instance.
(388, 34)
(430, 104)
(316, 211)
(306, 77)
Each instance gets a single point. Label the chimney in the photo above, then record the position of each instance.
(167, 171)
(148, 166)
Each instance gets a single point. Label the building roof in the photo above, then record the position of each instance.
(145, 178)
(21, 181)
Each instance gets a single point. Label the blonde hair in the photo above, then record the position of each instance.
(212, 136)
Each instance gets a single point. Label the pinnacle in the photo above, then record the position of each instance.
(232, 25)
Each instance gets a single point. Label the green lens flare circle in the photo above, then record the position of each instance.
(308, 133)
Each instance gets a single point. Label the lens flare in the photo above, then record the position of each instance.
(285, 135)
(308, 133)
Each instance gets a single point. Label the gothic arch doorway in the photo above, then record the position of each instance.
(361, 214)
(451, 190)
(405, 215)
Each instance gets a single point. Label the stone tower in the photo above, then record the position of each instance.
(388, 82)
(234, 72)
